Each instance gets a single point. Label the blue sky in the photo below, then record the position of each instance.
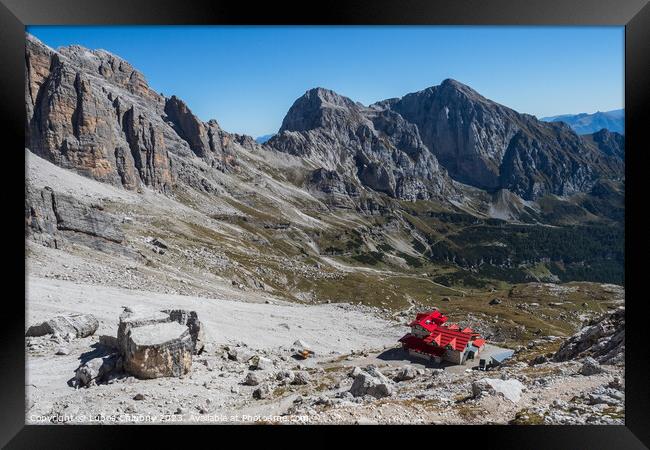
(247, 77)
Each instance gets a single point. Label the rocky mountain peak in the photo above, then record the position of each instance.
(490, 146)
(328, 97)
(451, 85)
(374, 146)
(318, 107)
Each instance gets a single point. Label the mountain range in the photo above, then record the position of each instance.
(584, 123)
(415, 170)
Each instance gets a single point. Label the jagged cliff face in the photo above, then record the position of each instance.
(92, 112)
(466, 132)
(375, 148)
(490, 146)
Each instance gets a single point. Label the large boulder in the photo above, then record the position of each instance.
(509, 389)
(159, 344)
(158, 350)
(57, 220)
(370, 381)
(79, 325)
(93, 113)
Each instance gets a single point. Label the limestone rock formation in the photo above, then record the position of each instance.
(373, 147)
(603, 340)
(158, 350)
(337, 191)
(51, 217)
(490, 146)
(467, 133)
(404, 147)
(92, 112)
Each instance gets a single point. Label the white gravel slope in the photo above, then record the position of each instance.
(328, 328)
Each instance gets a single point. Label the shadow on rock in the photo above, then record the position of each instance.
(98, 351)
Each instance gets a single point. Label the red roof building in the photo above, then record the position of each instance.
(431, 337)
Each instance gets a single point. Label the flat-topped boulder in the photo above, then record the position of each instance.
(159, 343)
(158, 350)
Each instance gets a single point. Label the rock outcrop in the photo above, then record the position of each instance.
(405, 147)
(468, 134)
(52, 217)
(93, 113)
(603, 340)
(187, 125)
(338, 191)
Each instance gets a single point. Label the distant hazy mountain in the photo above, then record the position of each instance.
(584, 123)
(263, 139)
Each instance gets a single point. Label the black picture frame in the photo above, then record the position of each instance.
(633, 14)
